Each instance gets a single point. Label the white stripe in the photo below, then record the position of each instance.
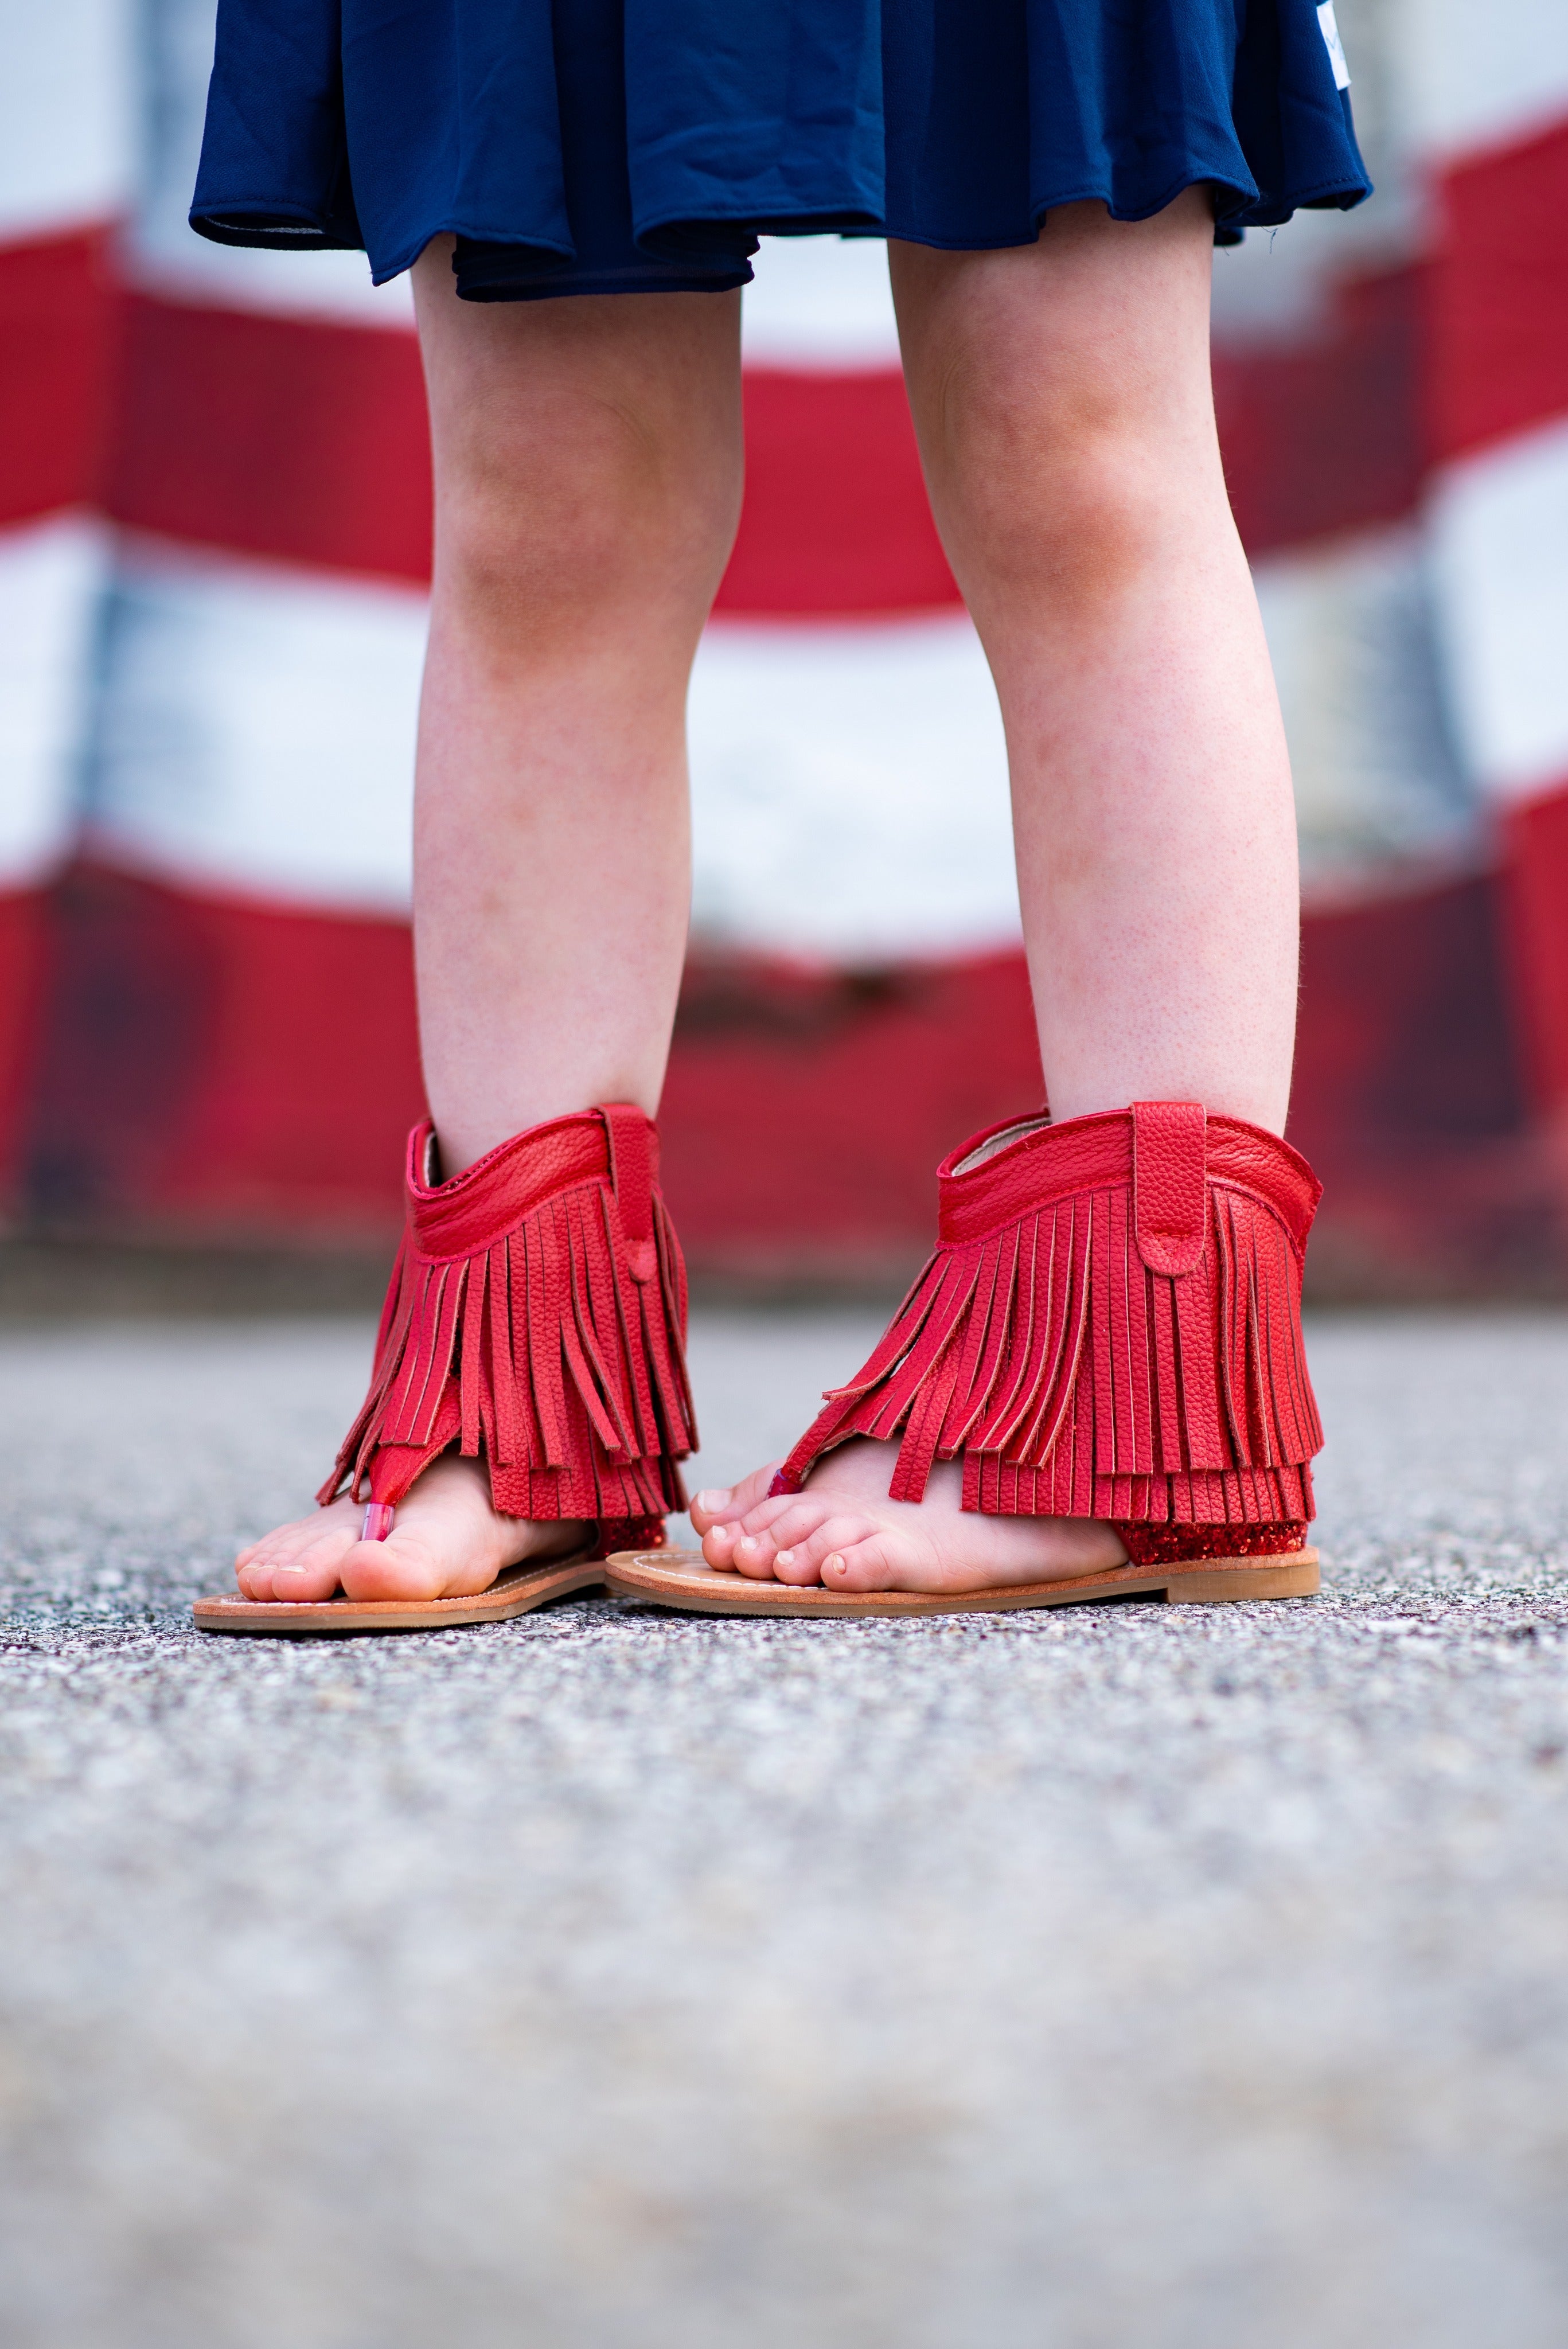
(1379, 782)
(820, 302)
(849, 784)
(1471, 76)
(257, 730)
(825, 303)
(67, 97)
(849, 790)
(164, 254)
(1279, 285)
(1500, 524)
(50, 576)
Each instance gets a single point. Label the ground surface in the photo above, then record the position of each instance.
(1130, 1976)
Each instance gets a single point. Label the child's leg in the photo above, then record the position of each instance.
(1062, 395)
(588, 461)
(588, 466)
(1067, 422)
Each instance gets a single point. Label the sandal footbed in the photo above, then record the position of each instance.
(516, 1592)
(683, 1579)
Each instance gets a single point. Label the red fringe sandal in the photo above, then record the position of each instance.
(1110, 1327)
(536, 1316)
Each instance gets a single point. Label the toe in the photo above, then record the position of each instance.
(710, 1506)
(280, 1549)
(787, 1517)
(869, 1560)
(726, 1505)
(302, 1578)
(833, 1533)
(306, 1583)
(757, 1535)
(719, 1544)
(275, 1548)
(750, 1544)
(785, 1539)
(395, 1568)
(753, 1553)
(285, 1545)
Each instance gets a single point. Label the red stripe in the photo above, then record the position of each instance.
(1322, 437)
(1536, 873)
(305, 441)
(835, 518)
(1498, 362)
(213, 1064)
(218, 1066)
(1408, 1100)
(297, 438)
(58, 312)
(25, 924)
(1404, 1025)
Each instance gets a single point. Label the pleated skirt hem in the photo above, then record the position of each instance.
(579, 146)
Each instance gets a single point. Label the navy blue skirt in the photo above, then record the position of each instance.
(626, 146)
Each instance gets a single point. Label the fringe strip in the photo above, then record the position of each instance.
(545, 1352)
(1074, 1382)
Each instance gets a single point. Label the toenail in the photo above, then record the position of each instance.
(708, 1502)
(834, 1565)
(784, 1558)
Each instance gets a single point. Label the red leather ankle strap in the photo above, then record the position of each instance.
(632, 1146)
(474, 1209)
(1052, 1163)
(1170, 1198)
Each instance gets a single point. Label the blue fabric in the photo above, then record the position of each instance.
(609, 146)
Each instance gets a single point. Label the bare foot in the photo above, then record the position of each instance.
(447, 1543)
(844, 1531)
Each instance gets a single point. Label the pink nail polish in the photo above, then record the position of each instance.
(377, 1522)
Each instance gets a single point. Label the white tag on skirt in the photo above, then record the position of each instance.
(1334, 45)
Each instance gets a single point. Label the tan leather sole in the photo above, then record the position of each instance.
(516, 1592)
(682, 1577)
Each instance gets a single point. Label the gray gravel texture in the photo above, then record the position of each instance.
(1128, 1976)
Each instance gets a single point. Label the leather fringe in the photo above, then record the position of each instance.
(556, 1352)
(1075, 1380)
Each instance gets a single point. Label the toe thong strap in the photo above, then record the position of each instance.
(536, 1319)
(1110, 1327)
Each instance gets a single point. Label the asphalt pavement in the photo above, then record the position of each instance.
(1124, 1977)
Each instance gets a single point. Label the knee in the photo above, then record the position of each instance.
(543, 533)
(1066, 492)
